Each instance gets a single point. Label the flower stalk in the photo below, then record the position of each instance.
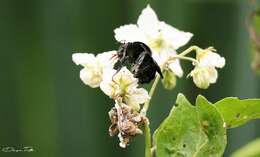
(151, 93)
(147, 132)
(190, 49)
(148, 143)
(183, 58)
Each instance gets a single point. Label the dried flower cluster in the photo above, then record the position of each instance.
(125, 123)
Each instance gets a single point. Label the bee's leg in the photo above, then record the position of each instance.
(158, 69)
(119, 66)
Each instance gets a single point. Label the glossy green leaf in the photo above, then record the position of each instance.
(237, 112)
(249, 150)
(191, 131)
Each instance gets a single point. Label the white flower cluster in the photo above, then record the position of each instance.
(122, 86)
(162, 38)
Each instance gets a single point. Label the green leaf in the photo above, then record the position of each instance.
(237, 112)
(213, 126)
(249, 150)
(191, 131)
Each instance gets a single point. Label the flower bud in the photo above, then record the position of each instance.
(169, 80)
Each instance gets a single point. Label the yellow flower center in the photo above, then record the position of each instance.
(157, 44)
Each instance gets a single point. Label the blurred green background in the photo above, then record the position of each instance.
(45, 105)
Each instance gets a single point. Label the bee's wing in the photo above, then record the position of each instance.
(149, 52)
(145, 62)
(138, 62)
(145, 68)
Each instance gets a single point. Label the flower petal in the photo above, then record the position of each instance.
(216, 60)
(148, 22)
(137, 96)
(106, 59)
(107, 88)
(140, 95)
(204, 75)
(83, 58)
(129, 33)
(160, 58)
(175, 67)
(125, 78)
(212, 74)
(208, 58)
(174, 36)
(107, 85)
(88, 77)
(200, 78)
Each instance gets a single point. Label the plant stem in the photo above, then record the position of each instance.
(153, 150)
(148, 143)
(183, 55)
(183, 58)
(147, 132)
(146, 105)
(187, 51)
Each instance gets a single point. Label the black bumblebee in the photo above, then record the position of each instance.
(138, 58)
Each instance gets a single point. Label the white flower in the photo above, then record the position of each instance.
(205, 72)
(94, 67)
(162, 38)
(204, 76)
(208, 57)
(122, 86)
